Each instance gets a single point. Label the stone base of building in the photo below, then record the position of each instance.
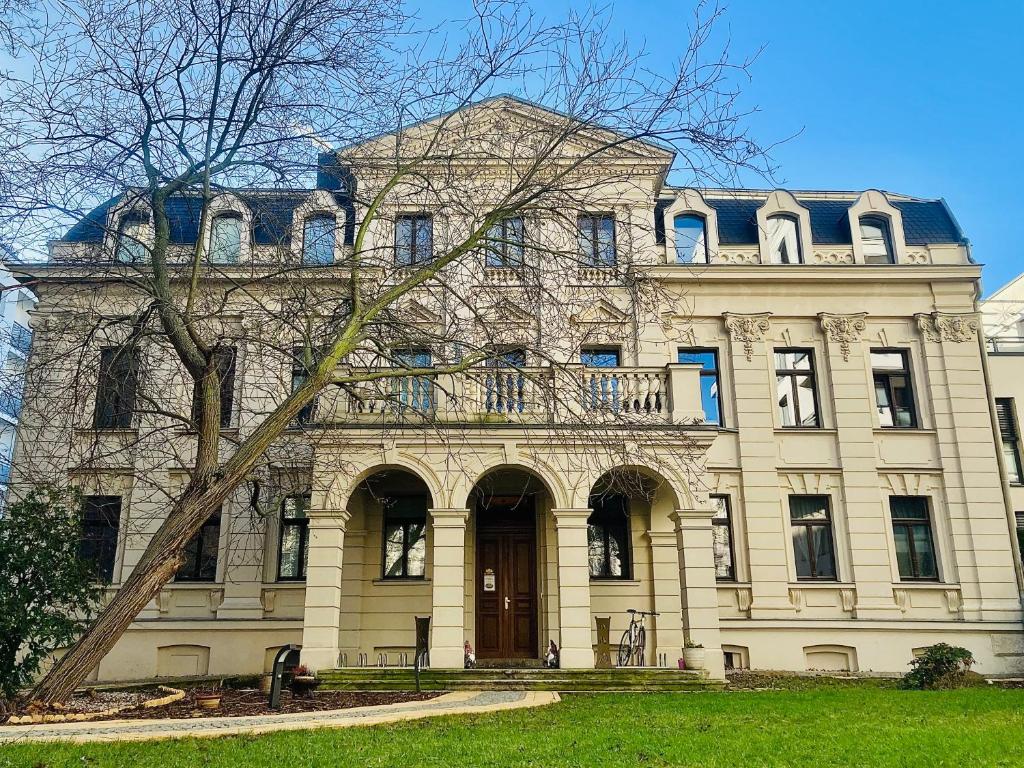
(196, 648)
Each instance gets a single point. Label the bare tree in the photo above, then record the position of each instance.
(176, 113)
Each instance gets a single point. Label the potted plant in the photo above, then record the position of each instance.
(693, 655)
(304, 682)
(208, 699)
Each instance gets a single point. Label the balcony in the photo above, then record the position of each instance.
(1005, 345)
(666, 396)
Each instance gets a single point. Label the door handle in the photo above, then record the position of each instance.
(507, 601)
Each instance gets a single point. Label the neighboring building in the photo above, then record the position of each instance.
(1003, 318)
(15, 341)
(847, 507)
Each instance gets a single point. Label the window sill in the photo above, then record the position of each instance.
(195, 584)
(911, 430)
(822, 584)
(615, 582)
(804, 430)
(922, 584)
(106, 430)
(405, 581)
(283, 584)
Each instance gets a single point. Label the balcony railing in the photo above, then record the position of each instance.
(1005, 345)
(656, 396)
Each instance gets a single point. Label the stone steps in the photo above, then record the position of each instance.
(396, 679)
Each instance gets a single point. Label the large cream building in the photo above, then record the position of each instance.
(817, 356)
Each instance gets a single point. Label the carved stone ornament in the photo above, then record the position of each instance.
(843, 330)
(747, 329)
(940, 326)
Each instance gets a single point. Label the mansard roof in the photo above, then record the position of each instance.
(273, 213)
(925, 222)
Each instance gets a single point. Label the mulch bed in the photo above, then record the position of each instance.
(245, 702)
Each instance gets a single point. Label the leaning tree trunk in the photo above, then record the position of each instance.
(159, 563)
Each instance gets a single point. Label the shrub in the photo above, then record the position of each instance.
(47, 592)
(941, 666)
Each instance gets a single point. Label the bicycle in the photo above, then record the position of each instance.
(634, 639)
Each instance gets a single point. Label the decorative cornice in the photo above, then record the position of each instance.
(747, 329)
(948, 326)
(844, 330)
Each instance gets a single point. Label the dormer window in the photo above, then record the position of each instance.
(784, 240)
(226, 239)
(131, 238)
(876, 240)
(318, 240)
(691, 239)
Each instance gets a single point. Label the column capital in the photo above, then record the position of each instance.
(661, 538)
(571, 518)
(325, 516)
(693, 518)
(442, 517)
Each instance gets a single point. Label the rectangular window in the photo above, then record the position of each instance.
(101, 517)
(505, 244)
(201, 553)
(1020, 531)
(414, 239)
(416, 392)
(226, 357)
(405, 537)
(796, 390)
(600, 357)
(115, 398)
(894, 395)
(912, 530)
(300, 375)
(810, 519)
(608, 537)
(597, 239)
(710, 384)
(1006, 414)
(721, 543)
(293, 549)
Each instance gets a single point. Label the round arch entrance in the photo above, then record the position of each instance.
(509, 507)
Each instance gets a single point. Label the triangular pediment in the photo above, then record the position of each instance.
(417, 313)
(601, 312)
(505, 127)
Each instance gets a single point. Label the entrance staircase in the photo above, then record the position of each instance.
(518, 679)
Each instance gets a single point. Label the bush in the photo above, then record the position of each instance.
(941, 666)
(47, 592)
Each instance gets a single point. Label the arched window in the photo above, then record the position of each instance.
(876, 240)
(131, 238)
(318, 240)
(226, 239)
(608, 537)
(784, 240)
(691, 239)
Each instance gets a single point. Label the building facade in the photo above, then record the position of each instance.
(16, 302)
(1003, 317)
(816, 357)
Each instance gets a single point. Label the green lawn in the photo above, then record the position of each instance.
(866, 725)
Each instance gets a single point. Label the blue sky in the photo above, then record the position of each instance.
(913, 96)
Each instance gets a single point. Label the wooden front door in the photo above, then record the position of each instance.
(506, 582)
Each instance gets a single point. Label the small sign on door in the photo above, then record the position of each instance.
(489, 581)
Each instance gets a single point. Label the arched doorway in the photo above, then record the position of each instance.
(508, 505)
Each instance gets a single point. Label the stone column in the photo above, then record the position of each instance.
(447, 623)
(668, 625)
(321, 620)
(699, 587)
(577, 650)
